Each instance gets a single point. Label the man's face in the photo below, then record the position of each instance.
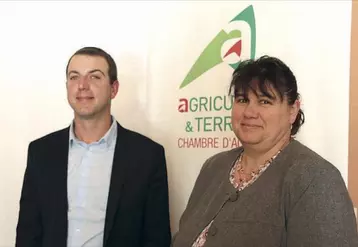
(89, 91)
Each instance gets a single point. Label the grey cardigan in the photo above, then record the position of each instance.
(300, 200)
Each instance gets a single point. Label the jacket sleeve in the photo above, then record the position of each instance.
(29, 229)
(157, 232)
(319, 209)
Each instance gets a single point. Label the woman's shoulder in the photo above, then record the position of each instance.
(305, 166)
(301, 156)
(223, 159)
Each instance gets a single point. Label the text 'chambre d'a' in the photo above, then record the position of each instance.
(219, 120)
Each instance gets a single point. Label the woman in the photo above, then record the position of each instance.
(272, 191)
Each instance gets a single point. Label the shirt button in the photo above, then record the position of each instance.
(234, 196)
(78, 230)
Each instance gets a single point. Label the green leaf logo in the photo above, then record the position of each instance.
(212, 55)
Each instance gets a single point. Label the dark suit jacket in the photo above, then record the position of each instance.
(137, 213)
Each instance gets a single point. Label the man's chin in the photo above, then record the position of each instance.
(85, 115)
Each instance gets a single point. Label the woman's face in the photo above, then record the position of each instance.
(260, 120)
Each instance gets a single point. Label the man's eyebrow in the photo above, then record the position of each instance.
(96, 70)
(73, 71)
(91, 71)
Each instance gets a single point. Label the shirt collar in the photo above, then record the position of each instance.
(108, 138)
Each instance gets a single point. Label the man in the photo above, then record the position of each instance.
(94, 183)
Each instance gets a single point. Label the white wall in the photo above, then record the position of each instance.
(155, 44)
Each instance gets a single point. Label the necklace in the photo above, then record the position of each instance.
(246, 176)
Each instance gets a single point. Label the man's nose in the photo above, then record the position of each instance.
(83, 83)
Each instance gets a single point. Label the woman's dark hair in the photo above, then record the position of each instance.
(262, 74)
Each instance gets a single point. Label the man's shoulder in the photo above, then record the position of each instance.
(51, 137)
(139, 139)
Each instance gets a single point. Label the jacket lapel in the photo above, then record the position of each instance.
(58, 156)
(120, 160)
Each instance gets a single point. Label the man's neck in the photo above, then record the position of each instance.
(91, 130)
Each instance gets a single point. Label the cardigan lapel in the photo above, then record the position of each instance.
(221, 190)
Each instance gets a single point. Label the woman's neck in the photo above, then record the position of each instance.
(253, 158)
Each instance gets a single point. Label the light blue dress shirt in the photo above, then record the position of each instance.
(89, 174)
